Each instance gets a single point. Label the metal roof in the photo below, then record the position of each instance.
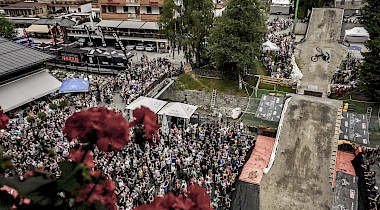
(150, 26)
(131, 24)
(54, 21)
(109, 23)
(15, 57)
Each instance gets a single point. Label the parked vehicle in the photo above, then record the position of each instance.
(140, 47)
(150, 48)
(131, 47)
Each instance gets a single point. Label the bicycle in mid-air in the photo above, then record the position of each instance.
(324, 55)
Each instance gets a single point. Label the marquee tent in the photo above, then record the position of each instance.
(176, 109)
(74, 85)
(283, 2)
(356, 35)
(153, 104)
(270, 46)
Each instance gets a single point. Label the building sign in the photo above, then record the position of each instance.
(70, 57)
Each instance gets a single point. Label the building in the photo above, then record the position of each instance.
(26, 9)
(73, 6)
(349, 4)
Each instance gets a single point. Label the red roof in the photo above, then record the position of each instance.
(343, 164)
(253, 168)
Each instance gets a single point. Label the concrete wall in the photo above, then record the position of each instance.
(223, 103)
(301, 28)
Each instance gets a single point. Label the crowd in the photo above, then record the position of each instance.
(346, 77)
(278, 61)
(208, 154)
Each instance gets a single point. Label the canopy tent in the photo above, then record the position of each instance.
(270, 46)
(150, 26)
(109, 23)
(283, 2)
(177, 109)
(153, 104)
(27, 89)
(130, 24)
(74, 85)
(355, 52)
(41, 29)
(356, 35)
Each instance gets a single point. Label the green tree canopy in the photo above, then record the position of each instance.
(370, 68)
(187, 26)
(6, 28)
(237, 36)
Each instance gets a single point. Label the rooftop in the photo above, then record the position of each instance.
(24, 5)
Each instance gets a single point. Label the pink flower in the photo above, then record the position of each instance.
(76, 155)
(4, 119)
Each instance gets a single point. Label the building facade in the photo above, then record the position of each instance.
(26, 9)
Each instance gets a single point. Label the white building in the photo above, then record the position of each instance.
(280, 7)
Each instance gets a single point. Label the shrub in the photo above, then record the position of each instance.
(53, 106)
(41, 115)
(30, 119)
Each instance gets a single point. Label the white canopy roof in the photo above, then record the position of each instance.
(43, 29)
(131, 24)
(357, 31)
(27, 89)
(109, 23)
(153, 104)
(177, 109)
(269, 46)
(284, 2)
(150, 26)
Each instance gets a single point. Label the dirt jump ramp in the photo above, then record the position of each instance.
(324, 32)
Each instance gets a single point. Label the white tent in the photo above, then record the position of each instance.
(153, 104)
(356, 35)
(177, 109)
(270, 46)
(282, 2)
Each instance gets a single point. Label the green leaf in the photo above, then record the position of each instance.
(27, 186)
(69, 180)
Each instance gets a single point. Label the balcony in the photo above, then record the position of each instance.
(154, 3)
(112, 2)
(150, 17)
(115, 16)
(123, 33)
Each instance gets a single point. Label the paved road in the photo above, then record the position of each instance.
(324, 32)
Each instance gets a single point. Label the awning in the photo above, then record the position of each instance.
(27, 89)
(109, 23)
(131, 24)
(177, 109)
(43, 29)
(153, 104)
(150, 26)
(283, 2)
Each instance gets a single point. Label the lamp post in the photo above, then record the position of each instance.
(295, 16)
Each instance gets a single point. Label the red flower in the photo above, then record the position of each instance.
(104, 193)
(98, 125)
(148, 118)
(76, 155)
(4, 119)
(31, 173)
(197, 199)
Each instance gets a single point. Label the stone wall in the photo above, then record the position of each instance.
(224, 103)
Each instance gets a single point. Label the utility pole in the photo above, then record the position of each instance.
(295, 16)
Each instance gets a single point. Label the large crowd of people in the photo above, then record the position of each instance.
(346, 77)
(208, 154)
(278, 61)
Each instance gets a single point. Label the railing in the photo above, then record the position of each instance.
(132, 1)
(120, 33)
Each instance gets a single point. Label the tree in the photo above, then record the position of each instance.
(187, 26)
(236, 39)
(370, 68)
(6, 28)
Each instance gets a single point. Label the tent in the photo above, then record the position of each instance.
(41, 29)
(270, 46)
(74, 85)
(153, 104)
(356, 35)
(282, 2)
(177, 109)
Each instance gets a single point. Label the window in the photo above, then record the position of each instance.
(160, 9)
(112, 9)
(79, 9)
(149, 10)
(103, 9)
(125, 9)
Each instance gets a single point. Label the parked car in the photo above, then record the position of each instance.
(131, 47)
(150, 48)
(140, 47)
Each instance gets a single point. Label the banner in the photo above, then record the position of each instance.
(104, 44)
(120, 43)
(90, 43)
(60, 33)
(26, 37)
(52, 36)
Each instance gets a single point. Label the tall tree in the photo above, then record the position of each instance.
(187, 26)
(370, 68)
(237, 36)
(6, 28)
